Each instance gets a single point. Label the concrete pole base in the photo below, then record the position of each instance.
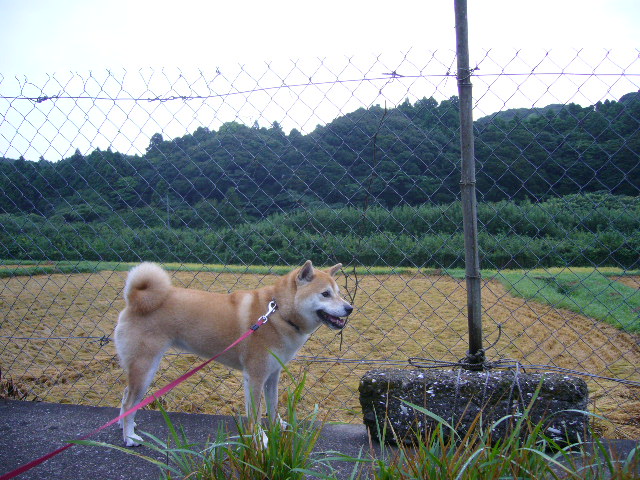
(460, 396)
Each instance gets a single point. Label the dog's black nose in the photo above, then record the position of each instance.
(348, 309)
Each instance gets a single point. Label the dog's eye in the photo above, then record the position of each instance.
(326, 293)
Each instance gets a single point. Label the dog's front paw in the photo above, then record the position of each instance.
(283, 425)
(262, 437)
(133, 441)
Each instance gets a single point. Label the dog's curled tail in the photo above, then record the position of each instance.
(146, 287)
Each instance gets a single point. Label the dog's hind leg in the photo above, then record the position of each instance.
(140, 373)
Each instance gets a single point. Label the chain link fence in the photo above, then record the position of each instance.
(232, 175)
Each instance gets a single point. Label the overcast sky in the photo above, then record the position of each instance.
(63, 35)
(43, 41)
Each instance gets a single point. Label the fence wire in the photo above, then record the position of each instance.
(233, 175)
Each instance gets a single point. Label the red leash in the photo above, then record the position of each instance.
(167, 388)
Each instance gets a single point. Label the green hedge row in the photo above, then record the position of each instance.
(271, 243)
(597, 229)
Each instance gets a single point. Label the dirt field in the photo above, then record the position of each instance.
(396, 317)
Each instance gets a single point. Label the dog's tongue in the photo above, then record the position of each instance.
(337, 321)
(331, 320)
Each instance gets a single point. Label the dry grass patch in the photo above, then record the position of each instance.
(630, 281)
(396, 317)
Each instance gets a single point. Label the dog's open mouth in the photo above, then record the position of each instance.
(336, 323)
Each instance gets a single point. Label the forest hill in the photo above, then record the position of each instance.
(557, 186)
(408, 155)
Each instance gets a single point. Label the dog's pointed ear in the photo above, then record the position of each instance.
(306, 274)
(335, 269)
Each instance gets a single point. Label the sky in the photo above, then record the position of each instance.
(62, 35)
(43, 40)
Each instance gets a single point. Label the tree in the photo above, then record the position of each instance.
(154, 143)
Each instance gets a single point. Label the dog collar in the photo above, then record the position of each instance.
(273, 306)
(294, 325)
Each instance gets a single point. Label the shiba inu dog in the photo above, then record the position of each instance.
(159, 316)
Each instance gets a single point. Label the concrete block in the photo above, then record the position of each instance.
(459, 396)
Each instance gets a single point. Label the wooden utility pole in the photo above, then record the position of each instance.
(475, 355)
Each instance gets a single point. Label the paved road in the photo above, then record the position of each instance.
(29, 430)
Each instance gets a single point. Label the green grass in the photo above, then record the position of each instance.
(584, 291)
(31, 267)
(525, 452)
(289, 454)
(15, 268)
(277, 452)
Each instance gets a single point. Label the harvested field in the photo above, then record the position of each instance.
(629, 281)
(54, 331)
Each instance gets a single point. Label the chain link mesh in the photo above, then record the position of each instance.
(196, 170)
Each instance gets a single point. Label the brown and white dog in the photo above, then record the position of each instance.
(159, 316)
